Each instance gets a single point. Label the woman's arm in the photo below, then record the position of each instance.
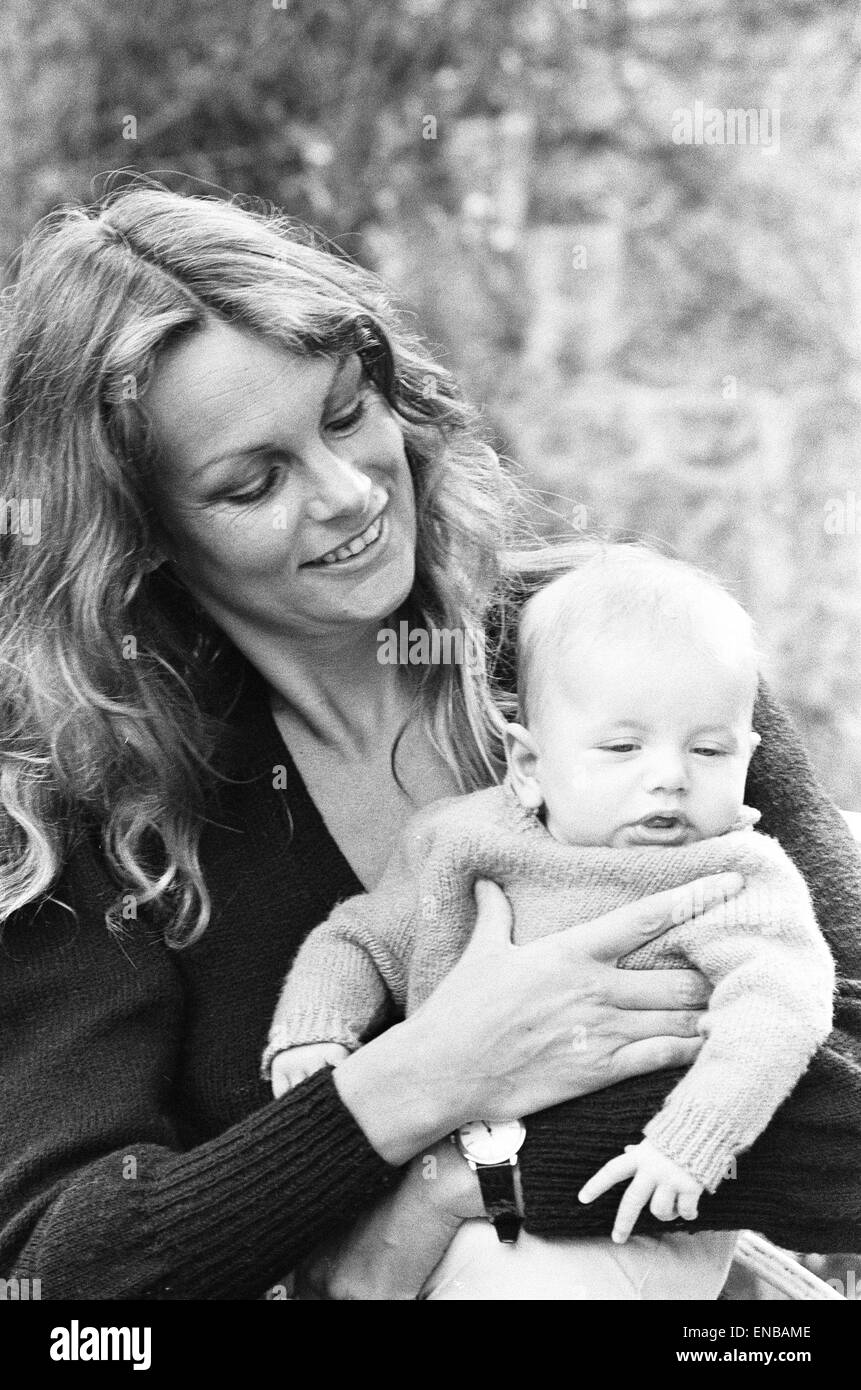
(800, 1183)
(98, 1198)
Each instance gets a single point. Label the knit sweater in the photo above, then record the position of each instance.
(772, 972)
(141, 1156)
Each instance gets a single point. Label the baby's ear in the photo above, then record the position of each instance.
(755, 741)
(521, 754)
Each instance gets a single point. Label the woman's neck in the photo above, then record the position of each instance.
(332, 686)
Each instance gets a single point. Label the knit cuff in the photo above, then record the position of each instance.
(238, 1211)
(303, 1032)
(695, 1137)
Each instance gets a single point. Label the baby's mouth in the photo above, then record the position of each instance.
(660, 828)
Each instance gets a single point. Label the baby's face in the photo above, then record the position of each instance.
(636, 745)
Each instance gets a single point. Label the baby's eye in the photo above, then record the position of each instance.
(710, 752)
(620, 747)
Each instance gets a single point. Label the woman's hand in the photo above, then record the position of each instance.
(390, 1252)
(512, 1030)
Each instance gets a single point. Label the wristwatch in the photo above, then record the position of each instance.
(491, 1150)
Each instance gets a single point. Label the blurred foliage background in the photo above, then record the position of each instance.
(664, 336)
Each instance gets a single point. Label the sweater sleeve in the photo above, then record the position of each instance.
(99, 1198)
(769, 1011)
(351, 968)
(800, 1183)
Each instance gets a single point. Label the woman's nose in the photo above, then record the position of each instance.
(335, 485)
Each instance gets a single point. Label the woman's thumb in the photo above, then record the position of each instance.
(494, 919)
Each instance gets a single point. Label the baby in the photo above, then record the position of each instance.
(626, 776)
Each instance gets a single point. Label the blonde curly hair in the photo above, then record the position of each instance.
(88, 736)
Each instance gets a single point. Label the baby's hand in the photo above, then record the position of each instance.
(295, 1063)
(666, 1186)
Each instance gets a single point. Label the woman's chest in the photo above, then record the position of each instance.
(365, 802)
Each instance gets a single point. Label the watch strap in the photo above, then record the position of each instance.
(500, 1199)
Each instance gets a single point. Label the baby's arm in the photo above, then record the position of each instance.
(771, 1008)
(336, 991)
(353, 967)
(346, 973)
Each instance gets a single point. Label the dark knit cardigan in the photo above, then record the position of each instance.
(142, 1157)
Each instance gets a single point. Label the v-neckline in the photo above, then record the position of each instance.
(316, 813)
(273, 750)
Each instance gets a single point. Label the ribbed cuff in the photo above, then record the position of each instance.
(696, 1138)
(241, 1210)
(302, 1033)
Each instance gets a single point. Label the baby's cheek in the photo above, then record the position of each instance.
(583, 809)
(719, 805)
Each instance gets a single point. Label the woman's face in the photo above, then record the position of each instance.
(275, 468)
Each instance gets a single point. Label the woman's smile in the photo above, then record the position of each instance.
(367, 544)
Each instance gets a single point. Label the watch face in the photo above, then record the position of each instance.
(486, 1141)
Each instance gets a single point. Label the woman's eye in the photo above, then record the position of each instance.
(256, 494)
(620, 747)
(710, 752)
(343, 423)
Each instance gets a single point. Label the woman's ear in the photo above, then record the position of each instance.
(755, 741)
(521, 754)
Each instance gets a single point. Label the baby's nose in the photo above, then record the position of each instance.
(667, 771)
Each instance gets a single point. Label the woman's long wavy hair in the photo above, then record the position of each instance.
(112, 679)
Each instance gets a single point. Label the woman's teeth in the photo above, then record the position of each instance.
(355, 546)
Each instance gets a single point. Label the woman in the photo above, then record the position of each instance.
(247, 470)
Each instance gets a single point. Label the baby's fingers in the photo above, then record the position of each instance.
(617, 1170)
(286, 1079)
(663, 1203)
(636, 1196)
(688, 1205)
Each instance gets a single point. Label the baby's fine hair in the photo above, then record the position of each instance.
(623, 592)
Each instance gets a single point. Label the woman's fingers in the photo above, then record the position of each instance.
(494, 918)
(659, 989)
(651, 1023)
(653, 1054)
(626, 928)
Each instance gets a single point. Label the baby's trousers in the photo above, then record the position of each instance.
(477, 1266)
